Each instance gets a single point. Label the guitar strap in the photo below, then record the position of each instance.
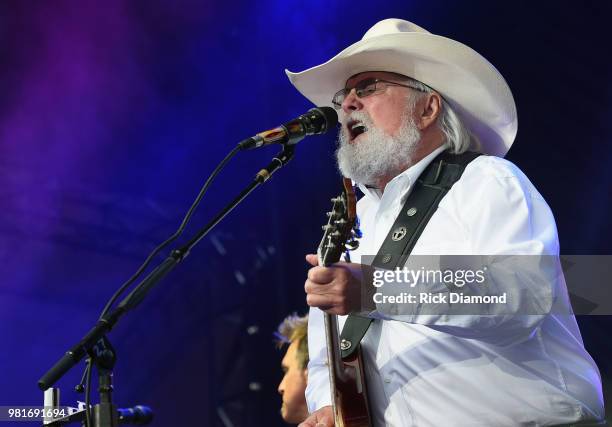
(431, 186)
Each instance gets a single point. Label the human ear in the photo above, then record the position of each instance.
(431, 107)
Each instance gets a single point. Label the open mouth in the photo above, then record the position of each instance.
(355, 128)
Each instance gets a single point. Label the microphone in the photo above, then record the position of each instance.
(315, 121)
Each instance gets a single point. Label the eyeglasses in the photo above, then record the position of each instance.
(366, 88)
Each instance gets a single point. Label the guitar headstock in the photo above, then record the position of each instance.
(341, 230)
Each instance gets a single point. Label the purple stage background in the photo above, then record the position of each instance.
(113, 113)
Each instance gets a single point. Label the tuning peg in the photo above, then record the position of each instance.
(351, 245)
(333, 215)
(336, 234)
(336, 199)
(330, 245)
(341, 222)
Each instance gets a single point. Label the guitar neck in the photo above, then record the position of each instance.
(336, 367)
(334, 359)
(348, 392)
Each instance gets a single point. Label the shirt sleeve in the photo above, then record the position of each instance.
(318, 392)
(508, 224)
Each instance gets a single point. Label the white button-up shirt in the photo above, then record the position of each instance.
(452, 370)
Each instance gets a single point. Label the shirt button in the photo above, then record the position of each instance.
(387, 380)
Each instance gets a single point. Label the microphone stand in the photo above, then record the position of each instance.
(88, 343)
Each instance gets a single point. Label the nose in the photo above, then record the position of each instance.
(281, 387)
(351, 102)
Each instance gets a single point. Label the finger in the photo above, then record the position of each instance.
(321, 275)
(332, 304)
(323, 417)
(315, 288)
(321, 301)
(326, 419)
(311, 287)
(311, 421)
(312, 259)
(327, 289)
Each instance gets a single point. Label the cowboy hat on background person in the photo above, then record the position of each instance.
(405, 96)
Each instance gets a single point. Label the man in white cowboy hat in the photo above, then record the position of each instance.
(404, 96)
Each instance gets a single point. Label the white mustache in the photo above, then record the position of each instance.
(360, 116)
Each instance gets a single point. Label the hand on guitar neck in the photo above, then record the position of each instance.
(323, 417)
(336, 289)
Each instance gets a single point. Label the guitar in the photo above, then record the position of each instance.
(348, 387)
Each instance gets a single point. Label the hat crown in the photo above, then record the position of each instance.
(392, 26)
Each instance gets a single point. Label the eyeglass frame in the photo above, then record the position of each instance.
(346, 91)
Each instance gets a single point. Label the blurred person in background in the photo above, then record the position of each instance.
(294, 332)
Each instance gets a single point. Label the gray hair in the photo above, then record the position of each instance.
(458, 138)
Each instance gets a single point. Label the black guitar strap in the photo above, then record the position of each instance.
(431, 186)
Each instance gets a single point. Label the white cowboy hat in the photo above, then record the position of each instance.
(468, 82)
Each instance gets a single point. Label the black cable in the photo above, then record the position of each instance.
(80, 387)
(145, 264)
(176, 234)
(88, 371)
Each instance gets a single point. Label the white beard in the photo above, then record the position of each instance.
(377, 155)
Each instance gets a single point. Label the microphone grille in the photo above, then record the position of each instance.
(330, 116)
(319, 120)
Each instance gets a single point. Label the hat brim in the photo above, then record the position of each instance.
(466, 80)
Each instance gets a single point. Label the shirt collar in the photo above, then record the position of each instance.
(409, 176)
